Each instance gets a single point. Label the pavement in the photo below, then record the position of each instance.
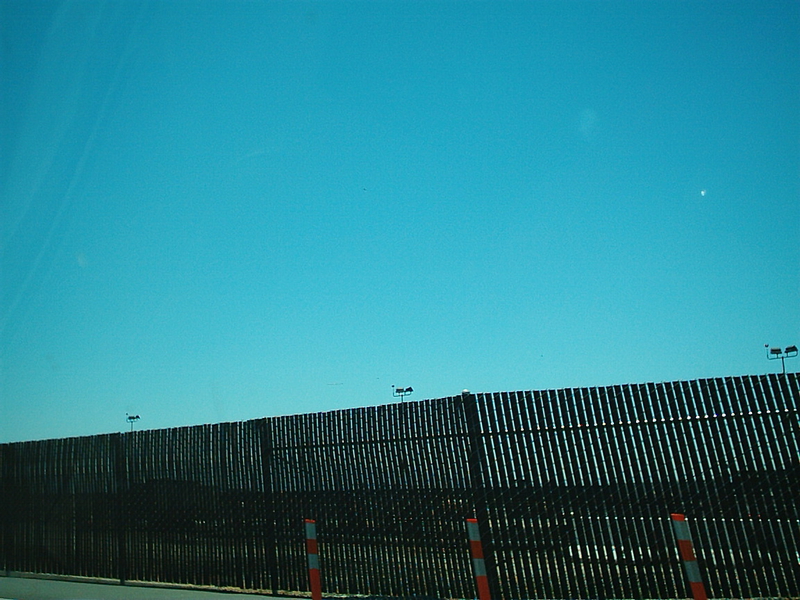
(28, 588)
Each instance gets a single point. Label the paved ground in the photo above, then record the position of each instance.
(23, 588)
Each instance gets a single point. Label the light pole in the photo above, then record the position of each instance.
(776, 353)
(131, 419)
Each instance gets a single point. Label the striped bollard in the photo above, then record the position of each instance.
(478, 562)
(313, 559)
(681, 529)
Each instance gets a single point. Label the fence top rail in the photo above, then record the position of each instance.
(622, 404)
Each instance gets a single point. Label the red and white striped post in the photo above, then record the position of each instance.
(313, 559)
(681, 529)
(478, 562)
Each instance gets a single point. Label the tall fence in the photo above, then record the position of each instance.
(572, 490)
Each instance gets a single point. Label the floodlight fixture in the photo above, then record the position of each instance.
(776, 353)
(400, 392)
(132, 419)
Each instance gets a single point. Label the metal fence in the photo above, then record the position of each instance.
(572, 490)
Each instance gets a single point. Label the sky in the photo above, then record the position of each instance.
(224, 210)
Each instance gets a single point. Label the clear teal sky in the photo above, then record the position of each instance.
(217, 211)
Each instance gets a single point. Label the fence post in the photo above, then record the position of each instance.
(269, 502)
(7, 509)
(478, 562)
(313, 560)
(120, 506)
(684, 538)
(477, 468)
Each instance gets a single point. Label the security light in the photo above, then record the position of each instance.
(131, 419)
(776, 353)
(399, 392)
